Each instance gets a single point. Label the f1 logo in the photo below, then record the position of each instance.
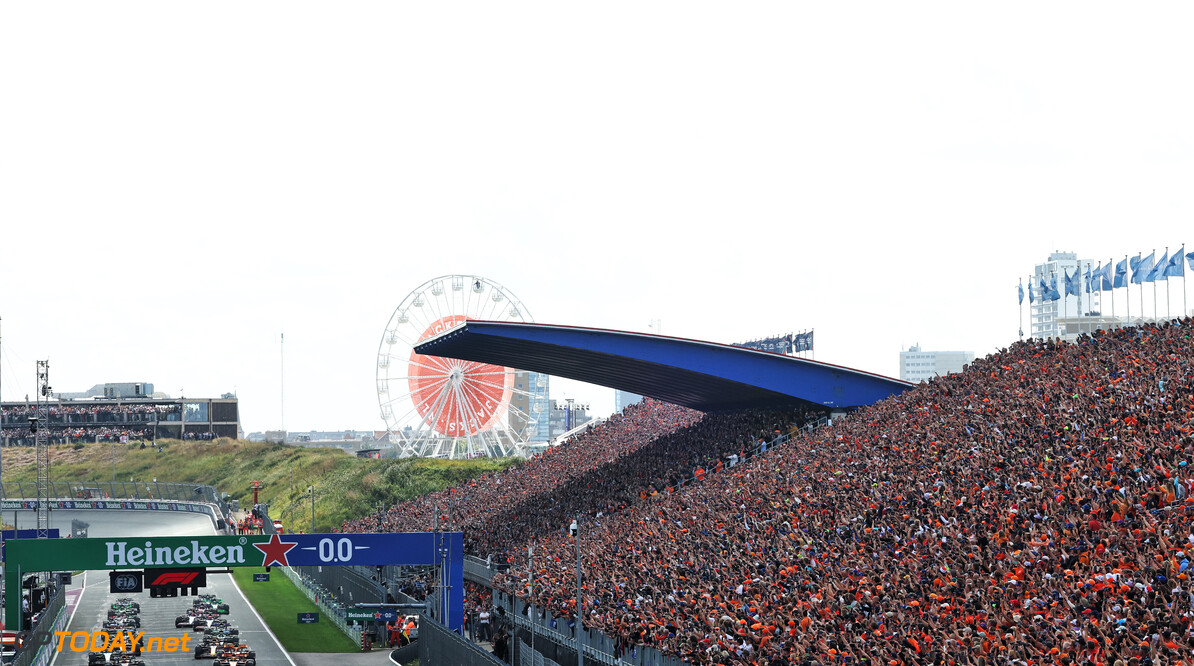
(179, 578)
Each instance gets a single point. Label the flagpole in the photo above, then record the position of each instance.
(1185, 312)
(1021, 308)
(1113, 291)
(1166, 285)
(1128, 290)
(1155, 286)
(1154, 254)
(1078, 276)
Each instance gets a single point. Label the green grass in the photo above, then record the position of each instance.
(279, 602)
(346, 487)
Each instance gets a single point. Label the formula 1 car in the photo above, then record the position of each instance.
(236, 660)
(201, 624)
(126, 619)
(191, 619)
(122, 624)
(212, 649)
(221, 633)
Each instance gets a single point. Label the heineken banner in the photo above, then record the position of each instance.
(411, 548)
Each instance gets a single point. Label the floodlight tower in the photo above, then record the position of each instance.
(42, 439)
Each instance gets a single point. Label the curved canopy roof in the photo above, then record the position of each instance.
(707, 376)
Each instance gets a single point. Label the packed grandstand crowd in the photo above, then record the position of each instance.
(84, 413)
(1034, 509)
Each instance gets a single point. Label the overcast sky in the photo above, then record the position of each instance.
(181, 182)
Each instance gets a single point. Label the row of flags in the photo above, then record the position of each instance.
(782, 344)
(1111, 275)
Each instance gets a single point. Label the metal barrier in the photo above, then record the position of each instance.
(528, 657)
(477, 570)
(138, 490)
(440, 645)
(69, 491)
(54, 619)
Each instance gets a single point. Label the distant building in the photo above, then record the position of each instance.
(117, 390)
(917, 365)
(623, 399)
(566, 415)
(116, 419)
(529, 405)
(1071, 314)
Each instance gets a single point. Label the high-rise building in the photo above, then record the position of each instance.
(917, 365)
(529, 407)
(1047, 315)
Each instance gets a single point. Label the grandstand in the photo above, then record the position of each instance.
(1033, 509)
(100, 419)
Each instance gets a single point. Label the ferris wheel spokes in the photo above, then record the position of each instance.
(449, 407)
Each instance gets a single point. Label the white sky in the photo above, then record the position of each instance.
(181, 182)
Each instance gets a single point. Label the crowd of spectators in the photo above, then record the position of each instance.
(24, 436)
(83, 413)
(470, 502)
(200, 436)
(1034, 509)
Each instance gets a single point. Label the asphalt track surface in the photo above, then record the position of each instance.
(157, 615)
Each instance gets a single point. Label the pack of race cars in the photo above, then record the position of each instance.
(221, 640)
(124, 616)
(207, 613)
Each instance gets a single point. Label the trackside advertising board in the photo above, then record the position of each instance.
(410, 548)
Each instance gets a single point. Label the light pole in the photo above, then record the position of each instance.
(574, 529)
(311, 489)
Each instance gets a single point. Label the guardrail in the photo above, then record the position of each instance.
(158, 496)
(440, 645)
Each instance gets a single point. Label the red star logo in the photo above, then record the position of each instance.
(274, 551)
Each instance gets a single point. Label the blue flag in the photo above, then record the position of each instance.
(1105, 273)
(1141, 267)
(1020, 290)
(1176, 268)
(1190, 260)
(1071, 282)
(1054, 295)
(1086, 280)
(1121, 274)
(1031, 295)
(1156, 272)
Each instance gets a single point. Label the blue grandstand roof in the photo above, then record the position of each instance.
(707, 376)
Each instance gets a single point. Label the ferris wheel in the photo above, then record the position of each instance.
(449, 408)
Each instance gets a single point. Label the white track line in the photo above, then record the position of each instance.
(262, 621)
(78, 602)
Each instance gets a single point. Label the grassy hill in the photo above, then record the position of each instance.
(345, 486)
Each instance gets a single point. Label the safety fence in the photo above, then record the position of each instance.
(439, 645)
(53, 619)
(559, 641)
(106, 495)
(147, 490)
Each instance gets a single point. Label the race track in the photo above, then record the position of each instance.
(120, 523)
(157, 615)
